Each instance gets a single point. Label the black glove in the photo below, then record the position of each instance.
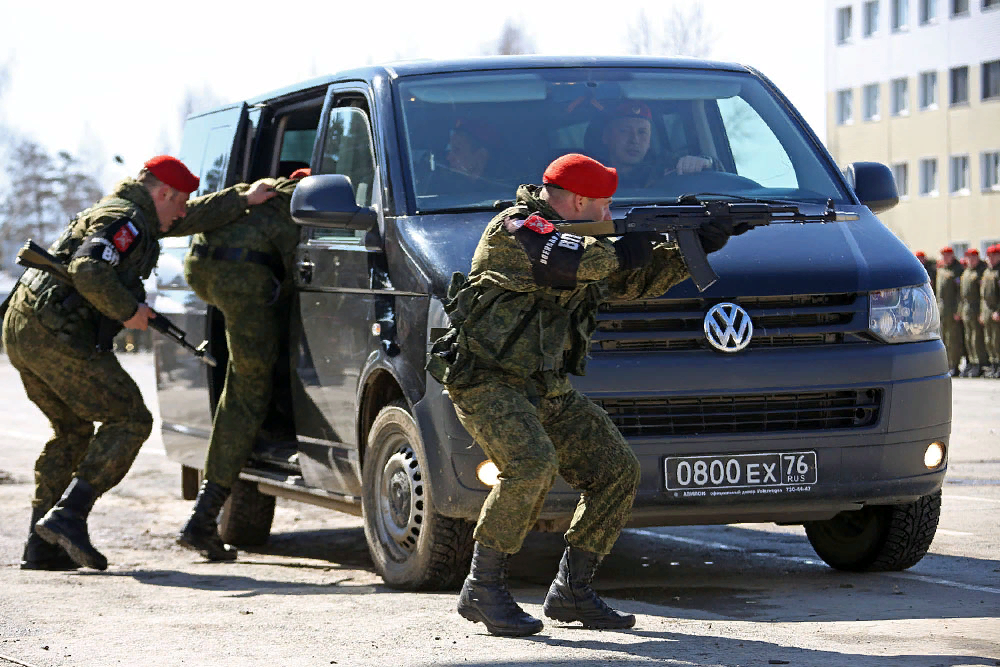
(715, 233)
(634, 250)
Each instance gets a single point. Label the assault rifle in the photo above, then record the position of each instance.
(681, 221)
(34, 256)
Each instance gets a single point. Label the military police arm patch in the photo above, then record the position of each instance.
(555, 257)
(112, 243)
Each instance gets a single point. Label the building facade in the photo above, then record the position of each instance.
(915, 84)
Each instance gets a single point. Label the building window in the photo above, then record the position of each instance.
(991, 80)
(959, 7)
(959, 85)
(928, 11)
(845, 100)
(843, 25)
(900, 97)
(871, 17)
(928, 177)
(870, 100)
(959, 174)
(901, 173)
(928, 90)
(900, 14)
(991, 171)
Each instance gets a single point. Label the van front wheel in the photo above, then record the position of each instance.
(412, 545)
(877, 538)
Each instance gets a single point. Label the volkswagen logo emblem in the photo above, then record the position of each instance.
(728, 327)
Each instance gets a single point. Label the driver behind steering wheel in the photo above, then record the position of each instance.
(626, 139)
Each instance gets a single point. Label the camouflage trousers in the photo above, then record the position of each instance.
(991, 333)
(952, 335)
(252, 336)
(975, 342)
(564, 434)
(74, 393)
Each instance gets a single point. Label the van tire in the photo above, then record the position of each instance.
(412, 546)
(878, 538)
(246, 516)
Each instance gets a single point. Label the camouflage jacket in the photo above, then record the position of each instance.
(930, 266)
(109, 250)
(949, 279)
(989, 292)
(504, 320)
(267, 228)
(971, 280)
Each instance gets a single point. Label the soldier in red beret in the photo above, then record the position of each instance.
(976, 355)
(949, 280)
(59, 337)
(989, 313)
(930, 266)
(522, 324)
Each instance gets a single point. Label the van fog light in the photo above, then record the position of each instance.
(934, 455)
(488, 473)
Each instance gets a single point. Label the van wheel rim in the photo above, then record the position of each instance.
(401, 502)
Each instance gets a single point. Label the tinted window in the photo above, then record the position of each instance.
(472, 138)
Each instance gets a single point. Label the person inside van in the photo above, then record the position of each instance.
(471, 143)
(626, 139)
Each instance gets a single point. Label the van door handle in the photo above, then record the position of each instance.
(305, 269)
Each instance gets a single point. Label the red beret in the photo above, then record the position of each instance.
(632, 110)
(172, 171)
(920, 254)
(947, 248)
(971, 251)
(300, 173)
(993, 249)
(581, 175)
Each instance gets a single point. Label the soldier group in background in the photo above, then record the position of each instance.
(968, 297)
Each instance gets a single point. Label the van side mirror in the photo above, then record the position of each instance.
(874, 184)
(327, 200)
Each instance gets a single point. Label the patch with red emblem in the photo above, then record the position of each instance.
(125, 235)
(537, 223)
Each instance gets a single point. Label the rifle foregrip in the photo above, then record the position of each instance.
(697, 261)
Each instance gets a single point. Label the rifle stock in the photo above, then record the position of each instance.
(34, 256)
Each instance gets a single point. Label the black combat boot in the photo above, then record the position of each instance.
(66, 525)
(953, 372)
(201, 533)
(39, 554)
(486, 599)
(972, 371)
(570, 597)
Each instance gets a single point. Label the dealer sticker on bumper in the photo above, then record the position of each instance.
(741, 474)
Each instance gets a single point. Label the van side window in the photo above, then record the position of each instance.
(217, 150)
(348, 150)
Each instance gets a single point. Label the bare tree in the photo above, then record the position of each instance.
(513, 40)
(196, 101)
(685, 33)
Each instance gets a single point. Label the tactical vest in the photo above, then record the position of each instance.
(63, 310)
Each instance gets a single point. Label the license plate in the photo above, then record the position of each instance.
(740, 471)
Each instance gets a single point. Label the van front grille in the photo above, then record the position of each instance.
(746, 413)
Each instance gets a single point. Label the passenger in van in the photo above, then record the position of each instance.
(56, 337)
(522, 322)
(244, 270)
(626, 138)
(471, 144)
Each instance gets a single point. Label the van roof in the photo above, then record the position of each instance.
(395, 70)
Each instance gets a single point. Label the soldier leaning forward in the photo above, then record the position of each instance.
(989, 313)
(521, 322)
(949, 281)
(976, 357)
(58, 339)
(242, 269)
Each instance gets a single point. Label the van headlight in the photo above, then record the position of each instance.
(904, 315)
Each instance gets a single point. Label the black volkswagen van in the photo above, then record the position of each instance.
(831, 408)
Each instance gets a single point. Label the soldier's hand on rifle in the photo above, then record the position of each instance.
(259, 192)
(715, 233)
(140, 320)
(634, 250)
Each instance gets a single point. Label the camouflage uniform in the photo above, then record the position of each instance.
(254, 302)
(51, 335)
(949, 279)
(990, 305)
(930, 266)
(505, 366)
(975, 343)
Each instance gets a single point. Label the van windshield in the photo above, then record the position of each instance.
(471, 138)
